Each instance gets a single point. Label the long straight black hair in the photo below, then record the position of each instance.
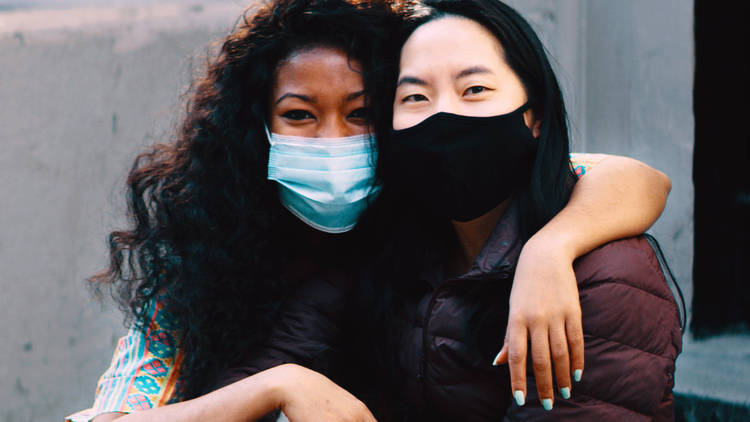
(421, 239)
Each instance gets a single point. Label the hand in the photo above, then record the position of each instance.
(544, 309)
(306, 395)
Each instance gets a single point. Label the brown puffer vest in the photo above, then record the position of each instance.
(631, 326)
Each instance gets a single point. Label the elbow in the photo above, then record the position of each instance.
(657, 182)
(664, 182)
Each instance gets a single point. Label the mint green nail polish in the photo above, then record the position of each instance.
(518, 395)
(565, 392)
(577, 374)
(547, 404)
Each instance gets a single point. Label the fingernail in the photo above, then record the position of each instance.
(497, 356)
(577, 374)
(565, 392)
(547, 404)
(518, 395)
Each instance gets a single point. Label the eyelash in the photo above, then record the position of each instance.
(413, 98)
(468, 91)
(360, 113)
(298, 115)
(483, 89)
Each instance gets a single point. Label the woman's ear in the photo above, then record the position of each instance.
(536, 129)
(533, 124)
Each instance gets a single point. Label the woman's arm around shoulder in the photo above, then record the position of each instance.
(615, 197)
(633, 337)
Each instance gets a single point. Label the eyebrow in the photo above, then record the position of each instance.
(307, 99)
(304, 98)
(355, 95)
(472, 71)
(411, 80)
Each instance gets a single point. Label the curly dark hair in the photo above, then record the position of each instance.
(208, 237)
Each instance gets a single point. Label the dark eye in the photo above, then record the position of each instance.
(414, 98)
(475, 90)
(361, 113)
(298, 115)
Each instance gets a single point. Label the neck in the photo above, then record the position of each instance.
(473, 234)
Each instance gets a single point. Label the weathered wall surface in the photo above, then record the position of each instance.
(84, 89)
(627, 72)
(82, 92)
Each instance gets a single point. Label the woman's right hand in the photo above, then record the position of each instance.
(306, 395)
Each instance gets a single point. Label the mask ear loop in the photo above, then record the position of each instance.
(268, 134)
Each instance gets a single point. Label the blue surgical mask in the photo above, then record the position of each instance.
(325, 182)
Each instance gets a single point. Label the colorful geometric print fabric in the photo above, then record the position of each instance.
(143, 375)
(582, 162)
(143, 371)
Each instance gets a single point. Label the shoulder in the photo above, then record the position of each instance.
(631, 328)
(625, 297)
(631, 261)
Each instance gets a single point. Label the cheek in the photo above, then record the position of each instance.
(273, 125)
(403, 118)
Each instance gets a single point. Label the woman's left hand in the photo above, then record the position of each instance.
(545, 310)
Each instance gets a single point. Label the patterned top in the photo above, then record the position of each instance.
(144, 372)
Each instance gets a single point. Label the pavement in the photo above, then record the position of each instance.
(712, 380)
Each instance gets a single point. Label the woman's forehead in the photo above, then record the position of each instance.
(319, 69)
(450, 41)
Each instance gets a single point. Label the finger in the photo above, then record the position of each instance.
(517, 346)
(502, 355)
(558, 344)
(540, 360)
(576, 346)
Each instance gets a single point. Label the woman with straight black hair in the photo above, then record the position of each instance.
(479, 152)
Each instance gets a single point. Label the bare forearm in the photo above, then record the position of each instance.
(245, 400)
(617, 198)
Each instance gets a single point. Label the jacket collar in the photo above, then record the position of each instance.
(499, 255)
(501, 251)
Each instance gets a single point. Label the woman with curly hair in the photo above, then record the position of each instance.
(228, 252)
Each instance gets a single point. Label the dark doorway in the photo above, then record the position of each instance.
(721, 168)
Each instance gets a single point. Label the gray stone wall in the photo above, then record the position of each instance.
(84, 88)
(627, 72)
(82, 92)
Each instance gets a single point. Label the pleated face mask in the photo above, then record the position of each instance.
(325, 182)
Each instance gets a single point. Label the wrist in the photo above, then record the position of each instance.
(270, 388)
(276, 386)
(556, 243)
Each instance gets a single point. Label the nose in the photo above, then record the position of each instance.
(447, 104)
(333, 127)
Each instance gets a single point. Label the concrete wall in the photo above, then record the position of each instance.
(82, 92)
(627, 72)
(83, 89)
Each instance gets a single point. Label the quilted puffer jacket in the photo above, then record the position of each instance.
(631, 327)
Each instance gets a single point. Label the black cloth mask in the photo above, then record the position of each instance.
(463, 166)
